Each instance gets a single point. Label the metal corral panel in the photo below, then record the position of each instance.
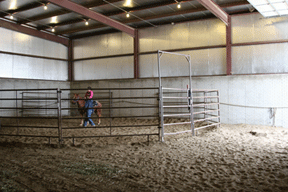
(269, 58)
(109, 68)
(192, 34)
(102, 45)
(16, 42)
(254, 27)
(203, 62)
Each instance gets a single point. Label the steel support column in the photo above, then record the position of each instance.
(94, 15)
(70, 61)
(229, 47)
(215, 9)
(136, 55)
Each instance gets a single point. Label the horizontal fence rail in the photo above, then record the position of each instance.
(199, 101)
(52, 111)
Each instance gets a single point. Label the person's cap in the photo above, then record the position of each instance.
(89, 88)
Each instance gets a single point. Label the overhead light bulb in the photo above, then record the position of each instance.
(53, 30)
(179, 6)
(86, 23)
(127, 15)
(45, 7)
(11, 17)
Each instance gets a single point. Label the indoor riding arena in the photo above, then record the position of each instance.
(185, 95)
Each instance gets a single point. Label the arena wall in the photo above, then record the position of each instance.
(248, 96)
(27, 57)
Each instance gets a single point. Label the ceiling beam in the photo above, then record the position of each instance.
(33, 32)
(96, 26)
(118, 12)
(112, 13)
(94, 15)
(215, 9)
(64, 11)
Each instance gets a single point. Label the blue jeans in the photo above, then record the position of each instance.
(89, 104)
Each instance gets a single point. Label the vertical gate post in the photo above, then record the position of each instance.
(191, 97)
(59, 115)
(218, 99)
(17, 112)
(161, 108)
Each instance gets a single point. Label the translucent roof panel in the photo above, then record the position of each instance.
(271, 8)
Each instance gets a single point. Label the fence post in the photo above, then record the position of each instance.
(110, 111)
(59, 115)
(17, 112)
(161, 113)
(218, 100)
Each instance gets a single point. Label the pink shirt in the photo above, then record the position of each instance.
(89, 94)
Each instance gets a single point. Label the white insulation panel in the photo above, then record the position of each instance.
(109, 68)
(32, 68)
(11, 41)
(103, 45)
(203, 62)
(183, 35)
(269, 58)
(254, 27)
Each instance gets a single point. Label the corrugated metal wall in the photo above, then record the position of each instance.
(13, 66)
(266, 58)
(105, 68)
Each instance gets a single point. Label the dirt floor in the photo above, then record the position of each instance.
(226, 158)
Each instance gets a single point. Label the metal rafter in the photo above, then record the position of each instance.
(215, 9)
(118, 12)
(63, 11)
(97, 26)
(93, 15)
(33, 32)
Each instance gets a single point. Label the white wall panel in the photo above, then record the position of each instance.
(6, 40)
(269, 58)
(34, 68)
(203, 62)
(255, 27)
(192, 34)
(6, 63)
(57, 50)
(110, 68)
(103, 45)
(16, 42)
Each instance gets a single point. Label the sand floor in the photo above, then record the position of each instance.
(226, 158)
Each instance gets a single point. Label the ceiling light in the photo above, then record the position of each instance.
(53, 30)
(11, 17)
(128, 3)
(179, 6)
(271, 8)
(54, 19)
(13, 5)
(86, 23)
(127, 15)
(45, 7)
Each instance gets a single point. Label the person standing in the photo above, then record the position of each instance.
(89, 107)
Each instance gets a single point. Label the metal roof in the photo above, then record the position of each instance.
(143, 13)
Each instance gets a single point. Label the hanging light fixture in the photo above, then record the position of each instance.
(86, 22)
(179, 5)
(45, 7)
(53, 30)
(127, 14)
(11, 17)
